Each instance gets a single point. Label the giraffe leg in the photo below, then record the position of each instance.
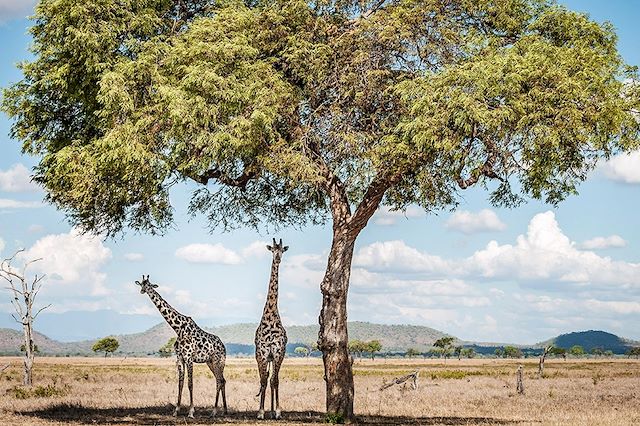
(275, 385)
(190, 378)
(263, 370)
(217, 371)
(180, 366)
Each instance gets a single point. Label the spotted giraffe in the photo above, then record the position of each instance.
(271, 338)
(193, 344)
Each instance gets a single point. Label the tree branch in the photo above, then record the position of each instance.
(40, 310)
(371, 200)
(486, 169)
(333, 186)
(240, 181)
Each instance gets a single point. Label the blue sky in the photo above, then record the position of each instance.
(480, 273)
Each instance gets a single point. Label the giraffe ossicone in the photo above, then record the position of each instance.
(271, 337)
(193, 345)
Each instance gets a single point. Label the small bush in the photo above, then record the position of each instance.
(20, 392)
(333, 418)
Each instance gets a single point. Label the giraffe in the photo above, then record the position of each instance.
(193, 344)
(271, 338)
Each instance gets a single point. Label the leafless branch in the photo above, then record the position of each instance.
(40, 310)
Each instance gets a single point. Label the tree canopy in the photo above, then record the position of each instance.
(289, 106)
(106, 345)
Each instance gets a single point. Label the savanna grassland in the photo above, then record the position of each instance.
(480, 391)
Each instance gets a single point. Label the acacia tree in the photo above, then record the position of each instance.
(444, 344)
(107, 345)
(167, 349)
(299, 111)
(23, 297)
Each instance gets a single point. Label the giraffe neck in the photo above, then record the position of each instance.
(174, 318)
(271, 305)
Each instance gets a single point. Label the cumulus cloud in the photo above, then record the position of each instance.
(208, 253)
(256, 249)
(134, 257)
(7, 204)
(604, 242)
(545, 253)
(397, 256)
(385, 216)
(470, 223)
(12, 9)
(623, 168)
(71, 259)
(16, 179)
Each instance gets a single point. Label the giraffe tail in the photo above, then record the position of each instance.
(268, 374)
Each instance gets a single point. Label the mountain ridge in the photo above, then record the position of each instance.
(239, 339)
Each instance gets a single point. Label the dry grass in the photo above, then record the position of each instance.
(142, 391)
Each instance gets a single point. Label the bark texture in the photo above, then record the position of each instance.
(333, 337)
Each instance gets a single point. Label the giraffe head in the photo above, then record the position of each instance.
(277, 249)
(145, 285)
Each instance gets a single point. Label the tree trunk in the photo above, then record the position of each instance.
(28, 353)
(333, 338)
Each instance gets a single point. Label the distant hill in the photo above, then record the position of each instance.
(392, 337)
(239, 339)
(591, 339)
(12, 340)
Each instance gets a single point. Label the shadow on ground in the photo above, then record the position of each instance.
(161, 415)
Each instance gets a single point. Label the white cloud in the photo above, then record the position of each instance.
(208, 253)
(623, 168)
(470, 223)
(385, 216)
(545, 253)
(71, 259)
(6, 203)
(256, 249)
(35, 229)
(134, 257)
(16, 178)
(10, 9)
(397, 256)
(1, 245)
(604, 242)
(303, 270)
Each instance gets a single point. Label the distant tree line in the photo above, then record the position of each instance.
(360, 347)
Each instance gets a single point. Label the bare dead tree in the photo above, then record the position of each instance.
(399, 380)
(543, 356)
(519, 382)
(23, 294)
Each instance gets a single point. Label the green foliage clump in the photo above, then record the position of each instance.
(444, 345)
(334, 418)
(167, 349)
(577, 350)
(107, 344)
(411, 352)
(370, 347)
(512, 352)
(51, 390)
(302, 351)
